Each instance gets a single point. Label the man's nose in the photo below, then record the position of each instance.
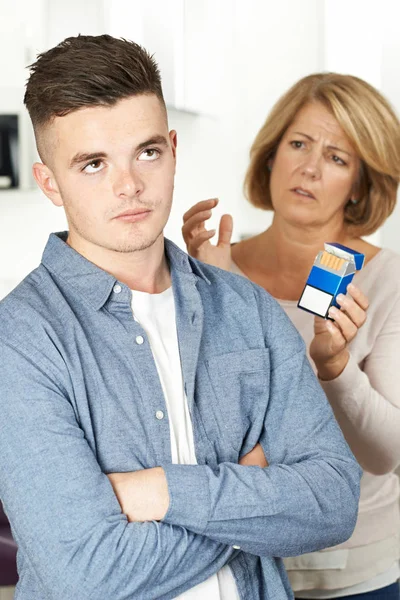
(128, 183)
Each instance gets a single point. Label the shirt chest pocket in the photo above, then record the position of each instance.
(239, 383)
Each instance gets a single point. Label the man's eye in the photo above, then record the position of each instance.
(93, 167)
(150, 154)
(297, 144)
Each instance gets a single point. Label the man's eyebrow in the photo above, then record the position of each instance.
(159, 140)
(82, 157)
(330, 146)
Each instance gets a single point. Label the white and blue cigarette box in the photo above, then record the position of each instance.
(333, 270)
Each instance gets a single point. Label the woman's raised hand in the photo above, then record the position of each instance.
(197, 237)
(329, 348)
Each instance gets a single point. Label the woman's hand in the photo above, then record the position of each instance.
(197, 237)
(329, 348)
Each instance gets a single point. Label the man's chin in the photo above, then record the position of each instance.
(137, 245)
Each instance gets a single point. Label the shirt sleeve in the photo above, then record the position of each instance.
(366, 399)
(307, 498)
(64, 514)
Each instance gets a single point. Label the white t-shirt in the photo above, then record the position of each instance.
(156, 314)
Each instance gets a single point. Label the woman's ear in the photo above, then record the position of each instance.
(46, 181)
(270, 160)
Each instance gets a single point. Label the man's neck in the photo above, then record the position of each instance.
(144, 270)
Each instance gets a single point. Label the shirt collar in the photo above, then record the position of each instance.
(96, 285)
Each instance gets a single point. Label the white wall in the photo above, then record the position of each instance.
(25, 222)
(263, 48)
(259, 44)
(361, 38)
(213, 153)
(391, 88)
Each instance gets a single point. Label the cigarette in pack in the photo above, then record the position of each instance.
(332, 271)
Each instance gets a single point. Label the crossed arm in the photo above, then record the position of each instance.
(310, 472)
(143, 495)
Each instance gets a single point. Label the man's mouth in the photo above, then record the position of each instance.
(133, 215)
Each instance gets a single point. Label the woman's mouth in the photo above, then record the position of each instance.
(303, 192)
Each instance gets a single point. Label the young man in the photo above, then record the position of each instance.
(139, 388)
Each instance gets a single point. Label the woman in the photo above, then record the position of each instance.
(327, 162)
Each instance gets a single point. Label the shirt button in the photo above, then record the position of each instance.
(139, 339)
(236, 547)
(159, 415)
(117, 289)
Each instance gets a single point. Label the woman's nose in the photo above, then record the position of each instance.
(311, 166)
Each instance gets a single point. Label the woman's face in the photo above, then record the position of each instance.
(315, 170)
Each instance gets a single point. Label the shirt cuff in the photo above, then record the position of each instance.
(189, 496)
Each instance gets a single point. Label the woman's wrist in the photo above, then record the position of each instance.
(334, 367)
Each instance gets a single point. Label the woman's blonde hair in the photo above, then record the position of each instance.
(372, 128)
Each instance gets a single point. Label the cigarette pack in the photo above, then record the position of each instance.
(332, 271)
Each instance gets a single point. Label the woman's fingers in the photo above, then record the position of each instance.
(347, 328)
(199, 240)
(195, 224)
(358, 296)
(225, 230)
(197, 237)
(353, 310)
(352, 314)
(199, 207)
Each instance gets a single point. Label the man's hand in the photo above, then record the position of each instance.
(143, 495)
(254, 458)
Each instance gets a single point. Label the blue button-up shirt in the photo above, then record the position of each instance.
(80, 397)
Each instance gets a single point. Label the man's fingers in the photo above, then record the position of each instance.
(255, 458)
(199, 207)
(225, 230)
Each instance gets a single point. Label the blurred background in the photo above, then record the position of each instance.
(224, 63)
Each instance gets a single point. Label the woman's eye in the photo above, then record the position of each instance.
(338, 160)
(297, 144)
(94, 167)
(150, 154)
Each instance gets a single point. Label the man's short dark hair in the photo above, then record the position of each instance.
(86, 71)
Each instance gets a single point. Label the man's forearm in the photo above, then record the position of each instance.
(143, 495)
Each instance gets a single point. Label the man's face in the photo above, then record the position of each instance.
(112, 168)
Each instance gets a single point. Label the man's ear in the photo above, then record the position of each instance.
(173, 139)
(47, 183)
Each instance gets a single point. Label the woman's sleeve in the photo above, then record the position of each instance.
(366, 399)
